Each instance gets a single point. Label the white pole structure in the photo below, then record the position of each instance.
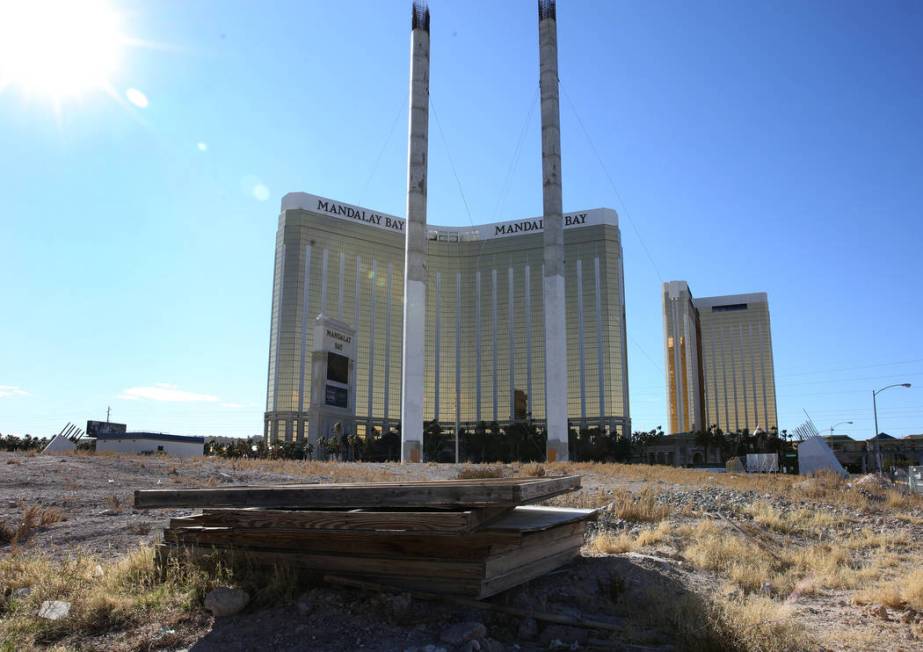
(553, 281)
(415, 241)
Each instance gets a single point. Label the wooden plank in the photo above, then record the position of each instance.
(499, 565)
(473, 545)
(449, 522)
(206, 557)
(527, 572)
(186, 521)
(400, 568)
(529, 518)
(447, 493)
(346, 543)
(546, 488)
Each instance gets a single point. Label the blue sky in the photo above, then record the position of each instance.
(772, 147)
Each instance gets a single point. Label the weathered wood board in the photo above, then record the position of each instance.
(447, 493)
(464, 537)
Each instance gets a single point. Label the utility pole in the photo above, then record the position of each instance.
(108, 410)
(556, 429)
(415, 241)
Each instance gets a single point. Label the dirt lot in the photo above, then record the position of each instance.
(679, 560)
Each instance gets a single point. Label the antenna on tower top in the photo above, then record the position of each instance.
(420, 16)
(546, 9)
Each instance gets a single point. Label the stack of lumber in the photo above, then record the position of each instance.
(463, 537)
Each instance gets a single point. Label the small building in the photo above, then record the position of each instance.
(679, 449)
(149, 443)
(859, 456)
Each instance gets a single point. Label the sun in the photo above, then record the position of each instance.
(59, 48)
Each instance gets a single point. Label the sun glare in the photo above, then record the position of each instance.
(59, 48)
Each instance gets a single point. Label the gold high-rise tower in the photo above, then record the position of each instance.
(719, 361)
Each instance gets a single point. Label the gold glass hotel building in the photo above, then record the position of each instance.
(718, 353)
(341, 264)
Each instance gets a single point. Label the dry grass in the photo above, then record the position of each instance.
(797, 521)
(479, 472)
(760, 624)
(910, 519)
(802, 569)
(584, 498)
(607, 543)
(641, 508)
(714, 548)
(898, 593)
(895, 499)
(825, 487)
(33, 518)
(120, 595)
(532, 470)
(725, 623)
(869, 539)
(103, 595)
(325, 471)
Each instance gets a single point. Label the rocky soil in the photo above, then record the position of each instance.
(628, 591)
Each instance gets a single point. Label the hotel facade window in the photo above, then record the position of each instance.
(484, 349)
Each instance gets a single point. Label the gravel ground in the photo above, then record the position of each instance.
(94, 494)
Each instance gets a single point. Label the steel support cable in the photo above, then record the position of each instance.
(381, 153)
(448, 153)
(611, 182)
(517, 152)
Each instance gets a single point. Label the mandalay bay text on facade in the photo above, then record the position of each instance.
(340, 267)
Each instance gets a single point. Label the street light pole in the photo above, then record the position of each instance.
(875, 393)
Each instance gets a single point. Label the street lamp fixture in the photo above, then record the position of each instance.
(875, 394)
(838, 424)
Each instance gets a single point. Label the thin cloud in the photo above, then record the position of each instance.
(231, 404)
(9, 391)
(167, 393)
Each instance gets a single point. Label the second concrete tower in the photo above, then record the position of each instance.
(553, 279)
(415, 241)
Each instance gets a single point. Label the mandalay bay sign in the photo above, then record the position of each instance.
(324, 206)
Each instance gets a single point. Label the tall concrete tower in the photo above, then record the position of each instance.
(415, 243)
(553, 281)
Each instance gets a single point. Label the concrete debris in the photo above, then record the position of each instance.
(54, 609)
(225, 601)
